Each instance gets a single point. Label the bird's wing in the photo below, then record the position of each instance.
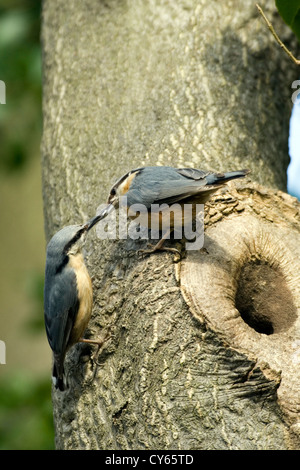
(60, 310)
(169, 191)
(192, 173)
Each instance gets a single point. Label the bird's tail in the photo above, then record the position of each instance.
(221, 178)
(58, 373)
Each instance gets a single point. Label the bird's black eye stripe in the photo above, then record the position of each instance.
(74, 240)
(113, 191)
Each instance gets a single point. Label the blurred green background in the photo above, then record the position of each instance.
(25, 382)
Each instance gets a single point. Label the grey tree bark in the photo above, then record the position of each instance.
(206, 351)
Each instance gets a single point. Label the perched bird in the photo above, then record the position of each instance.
(68, 293)
(162, 185)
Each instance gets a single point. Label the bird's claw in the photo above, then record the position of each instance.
(154, 249)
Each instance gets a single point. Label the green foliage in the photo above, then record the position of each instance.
(35, 294)
(290, 12)
(26, 421)
(20, 69)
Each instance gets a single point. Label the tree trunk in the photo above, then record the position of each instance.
(205, 352)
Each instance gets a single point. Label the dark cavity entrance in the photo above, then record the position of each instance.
(264, 299)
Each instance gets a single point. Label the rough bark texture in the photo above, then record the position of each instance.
(205, 353)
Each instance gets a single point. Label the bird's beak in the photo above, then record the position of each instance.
(104, 212)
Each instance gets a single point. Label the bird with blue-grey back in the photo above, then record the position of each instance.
(162, 186)
(68, 294)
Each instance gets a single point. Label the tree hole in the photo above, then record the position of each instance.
(264, 299)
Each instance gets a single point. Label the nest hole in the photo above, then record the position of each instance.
(264, 299)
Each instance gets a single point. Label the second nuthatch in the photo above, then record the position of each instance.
(164, 185)
(68, 293)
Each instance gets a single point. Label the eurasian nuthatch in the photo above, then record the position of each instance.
(68, 293)
(157, 185)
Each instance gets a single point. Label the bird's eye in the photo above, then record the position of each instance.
(113, 192)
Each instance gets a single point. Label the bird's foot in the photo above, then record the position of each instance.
(155, 248)
(99, 342)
